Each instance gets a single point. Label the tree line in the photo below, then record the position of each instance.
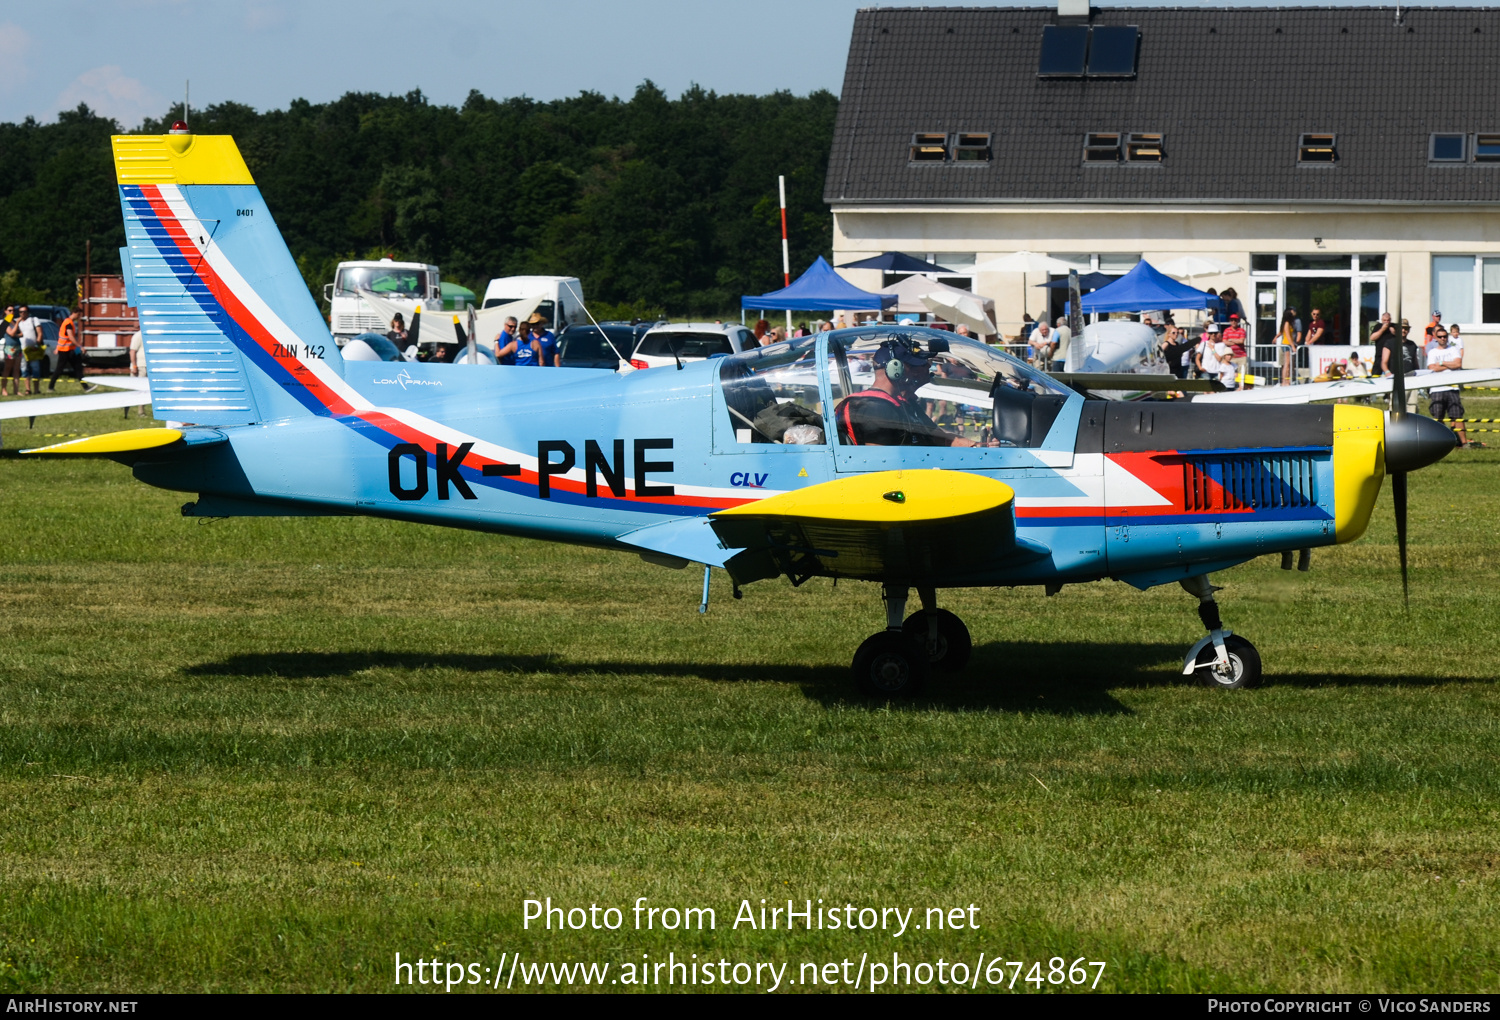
(657, 204)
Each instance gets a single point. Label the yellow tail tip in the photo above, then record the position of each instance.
(179, 159)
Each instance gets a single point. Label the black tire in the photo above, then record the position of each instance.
(1243, 669)
(890, 665)
(950, 651)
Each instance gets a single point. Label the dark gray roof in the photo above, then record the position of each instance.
(1232, 89)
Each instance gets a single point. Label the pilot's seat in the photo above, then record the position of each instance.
(1023, 418)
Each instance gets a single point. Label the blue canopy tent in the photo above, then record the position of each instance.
(896, 262)
(1086, 281)
(819, 289)
(1144, 288)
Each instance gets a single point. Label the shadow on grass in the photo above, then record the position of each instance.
(1065, 677)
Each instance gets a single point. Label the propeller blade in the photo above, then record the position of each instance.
(1398, 496)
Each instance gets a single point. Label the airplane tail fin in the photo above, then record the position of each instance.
(232, 335)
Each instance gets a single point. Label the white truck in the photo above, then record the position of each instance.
(562, 297)
(405, 284)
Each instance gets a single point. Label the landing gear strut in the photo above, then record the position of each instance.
(1226, 659)
(895, 662)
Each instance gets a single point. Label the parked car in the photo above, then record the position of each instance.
(604, 346)
(690, 341)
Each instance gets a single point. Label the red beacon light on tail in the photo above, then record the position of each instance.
(179, 128)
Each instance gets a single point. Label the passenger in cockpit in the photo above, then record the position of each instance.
(888, 413)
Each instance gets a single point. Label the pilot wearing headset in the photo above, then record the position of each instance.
(888, 413)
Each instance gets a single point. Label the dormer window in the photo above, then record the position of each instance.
(1317, 149)
(1144, 147)
(1101, 147)
(971, 147)
(929, 147)
(1448, 148)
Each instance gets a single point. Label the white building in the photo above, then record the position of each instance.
(1346, 159)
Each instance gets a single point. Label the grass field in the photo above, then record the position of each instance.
(271, 754)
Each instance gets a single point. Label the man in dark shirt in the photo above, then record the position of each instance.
(1317, 329)
(887, 414)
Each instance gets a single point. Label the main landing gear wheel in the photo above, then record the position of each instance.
(948, 649)
(890, 665)
(1242, 671)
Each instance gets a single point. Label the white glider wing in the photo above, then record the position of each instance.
(71, 405)
(1346, 388)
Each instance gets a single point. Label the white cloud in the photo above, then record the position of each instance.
(109, 91)
(15, 45)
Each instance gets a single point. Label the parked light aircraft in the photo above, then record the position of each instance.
(683, 464)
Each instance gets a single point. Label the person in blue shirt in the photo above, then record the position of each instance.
(505, 343)
(544, 341)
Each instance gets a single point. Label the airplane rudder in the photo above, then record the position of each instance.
(220, 296)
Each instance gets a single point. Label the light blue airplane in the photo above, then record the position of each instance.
(817, 457)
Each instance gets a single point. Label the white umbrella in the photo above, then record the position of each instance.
(1197, 265)
(961, 309)
(1025, 263)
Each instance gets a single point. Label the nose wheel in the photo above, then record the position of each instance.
(1221, 657)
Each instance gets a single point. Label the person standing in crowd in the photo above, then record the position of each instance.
(546, 343)
(1027, 326)
(1445, 404)
(1064, 339)
(1286, 344)
(1409, 353)
(1219, 314)
(1234, 336)
(1230, 301)
(1317, 329)
(1384, 330)
(760, 329)
(33, 350)
(1041, 343)
(1432, 327)
(10, 346)
(397, 333)
(506, 343)
(1205, 358)
(1357, 369)
(1455, 338)
(69, 357)
(138, 364)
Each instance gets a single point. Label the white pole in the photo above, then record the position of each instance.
(786, 257)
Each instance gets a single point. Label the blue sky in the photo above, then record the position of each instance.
(128, 58)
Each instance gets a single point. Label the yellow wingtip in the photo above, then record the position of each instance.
(179, 159)
(886, 497)
(113, 442)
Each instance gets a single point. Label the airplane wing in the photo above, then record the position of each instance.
(1345, 388)
(39, 406)
(897, 526)
(121, 382)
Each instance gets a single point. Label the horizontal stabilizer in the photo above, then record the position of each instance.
(132, 441)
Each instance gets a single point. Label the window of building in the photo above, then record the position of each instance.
(971, 147)
(1265, 263)
(1144, 147)
(1486, 148)
(1317, 149)
(1101, 147)
(1442, 148)
(1466, 288)
(929, 147)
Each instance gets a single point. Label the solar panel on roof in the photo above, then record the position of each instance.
(1063, 50)
(1112, 51)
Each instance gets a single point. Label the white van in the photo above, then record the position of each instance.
(562, 297)
(404, 284)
